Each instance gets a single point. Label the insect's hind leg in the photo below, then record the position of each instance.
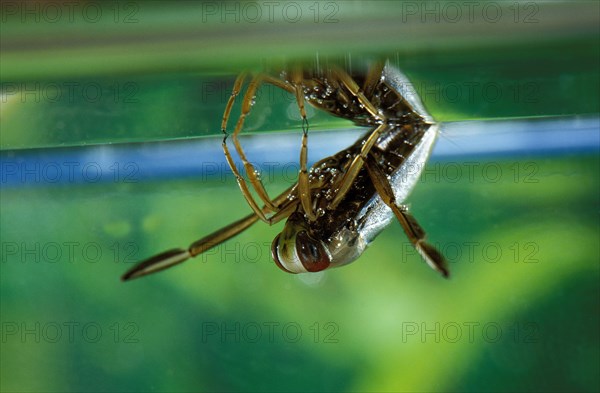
(416, 234)
(176, 256)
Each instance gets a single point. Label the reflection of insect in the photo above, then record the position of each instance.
(338, 207)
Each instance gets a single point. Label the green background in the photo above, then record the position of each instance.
(520, 312)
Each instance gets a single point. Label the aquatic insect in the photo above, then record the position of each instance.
(344, 201)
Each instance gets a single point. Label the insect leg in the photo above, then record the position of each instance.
(356, 91)
(237, 86)
(356, 165)
(226, 233)
(243, 186)
(416, 234)
(240, 180)
(176, 256)
(373, 78)
(296, 88)
(303, 183)
(249, 168)
(357, 162)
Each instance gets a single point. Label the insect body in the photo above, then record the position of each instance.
(344, 201)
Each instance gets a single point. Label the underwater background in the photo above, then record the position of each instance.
(110, 142)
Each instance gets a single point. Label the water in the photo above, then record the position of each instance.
(519, 228)
(103, 164)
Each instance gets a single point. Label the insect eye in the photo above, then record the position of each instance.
(275, 254)
(311, 252)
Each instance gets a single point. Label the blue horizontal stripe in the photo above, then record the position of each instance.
(203, 158)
